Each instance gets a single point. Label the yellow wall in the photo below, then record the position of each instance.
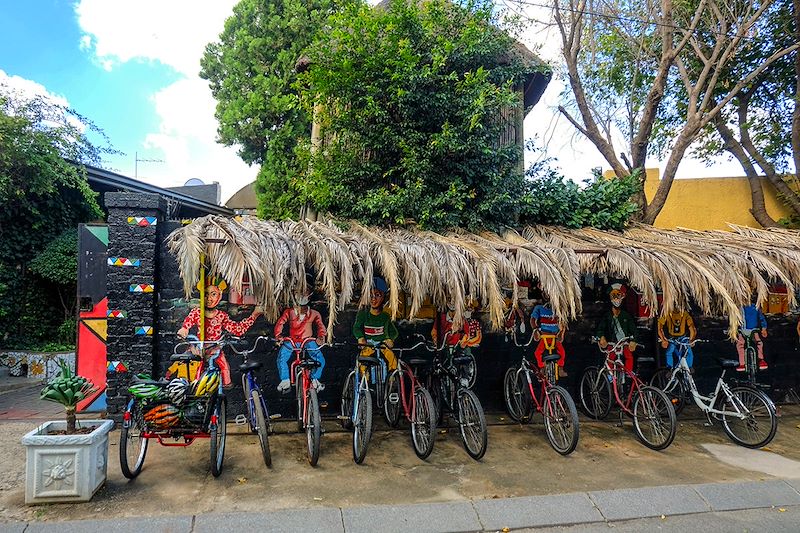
(710, 203)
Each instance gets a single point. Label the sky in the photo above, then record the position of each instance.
(132, 68)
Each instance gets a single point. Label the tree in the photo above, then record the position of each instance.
(42, 192)
(409, 100)
(251, 72)
(622, 58)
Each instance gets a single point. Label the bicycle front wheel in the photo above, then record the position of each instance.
(423, 423)
(132, 446)
(247, 395)
(261, 427)
(561, 420)
(472, 423)
(673, 387)
(759, 424)
(313, 426)
(347, 401)
(392, 402)
(653, 418)
(218, 433)
(298, 389)
(517, 395)
(595, 393)
(469, 370)
(362, 428)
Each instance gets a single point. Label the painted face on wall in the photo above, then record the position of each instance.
(213, 296)
(376, 299)
(616, 297)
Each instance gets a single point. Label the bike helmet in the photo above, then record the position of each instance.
(207, 384)
(177, 389)
(163, 416)
(145, 391)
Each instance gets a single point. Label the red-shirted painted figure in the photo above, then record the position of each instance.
(302, 322)
(216, 322)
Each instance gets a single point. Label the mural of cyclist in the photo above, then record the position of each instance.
(216, 321)
(754, 325)
(544, 321)
(617, 325)
(302, 322)
(373, 325)
(679, 326)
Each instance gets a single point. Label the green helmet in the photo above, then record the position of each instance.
(144, 391)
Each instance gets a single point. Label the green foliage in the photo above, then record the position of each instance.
(58, 262)
(41, 194)
(68, 389)
(603, 203)
(409, 99)
(251, 72)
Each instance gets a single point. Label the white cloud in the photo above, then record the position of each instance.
(30, 89)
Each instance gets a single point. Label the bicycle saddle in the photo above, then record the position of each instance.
(551, 357)
(418, 362)
(184, 357)
(250, 365)
(728, 363)
(309, 363)
(368, 360)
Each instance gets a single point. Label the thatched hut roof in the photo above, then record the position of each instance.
(718, 271)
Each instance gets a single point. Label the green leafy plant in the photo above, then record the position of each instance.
(68, 389)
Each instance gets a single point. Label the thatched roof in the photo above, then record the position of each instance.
(715, 270)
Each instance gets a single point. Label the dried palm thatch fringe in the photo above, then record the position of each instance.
(719, 271)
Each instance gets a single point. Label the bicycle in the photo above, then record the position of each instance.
(308, 417)
(748, 416)
(356, 404)
(653, 414)
(557, 407)
(751, 345)
(458, 399)
(257, 416)
(405, 391)
(176, 409)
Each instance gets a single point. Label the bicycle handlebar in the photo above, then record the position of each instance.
(678, 342)
(616, 346)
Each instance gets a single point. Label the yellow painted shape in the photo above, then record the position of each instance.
(98, 325)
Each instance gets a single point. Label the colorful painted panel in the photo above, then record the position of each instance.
(142, 221)
(116, 366)
(143, 330)
(142, 287)
(124, 262)
(117, 313)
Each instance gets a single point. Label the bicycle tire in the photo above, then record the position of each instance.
(313, 427)
(247, 390)
(595, 393)
(298, 389)
(362, 428)
(346, 404)
(261, 427)
(759, 428)
(472, 423)
(469, 368)
(675, 389)
(218, 434)
(392, 402)
(561, 420)
(517, 396)
(653, 410)
(423, 423)
(131, 435)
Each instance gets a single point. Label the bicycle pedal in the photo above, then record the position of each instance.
(342, 417)
(394, 397)
(240, 420)
(274, 417)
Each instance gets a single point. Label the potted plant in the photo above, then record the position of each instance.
(66, 463)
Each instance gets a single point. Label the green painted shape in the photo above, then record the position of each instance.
(100, 232)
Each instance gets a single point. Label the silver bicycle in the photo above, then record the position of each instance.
(747, 414)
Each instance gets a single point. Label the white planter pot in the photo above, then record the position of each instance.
(65, 468)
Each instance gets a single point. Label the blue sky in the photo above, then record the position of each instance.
(132, 68)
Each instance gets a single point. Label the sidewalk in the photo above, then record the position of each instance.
(592, 511)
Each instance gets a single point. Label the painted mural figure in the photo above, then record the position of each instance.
(617, 325)
(547, 328)
(373, 325)
(302, 322)
(513, 314)
(216, 322)
(754, 326)
(679, 326)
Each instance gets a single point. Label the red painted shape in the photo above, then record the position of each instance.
(91, 353)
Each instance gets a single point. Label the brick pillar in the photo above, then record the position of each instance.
(133, 242)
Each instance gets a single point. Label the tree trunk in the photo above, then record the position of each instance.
(70, 420)
(796, 112)
(682, 144)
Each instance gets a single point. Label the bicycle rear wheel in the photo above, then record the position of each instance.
(392, 402)
(472, 423)
(313, 426)
(347, 401)
(758, 427)
(561, 420)
(675, 388)
(469, 370)
(218, 433)
(132, 446)
(595, 393)
(261, 426)
(362, 428)
(423, 423)
(517, 395)
(653, 418)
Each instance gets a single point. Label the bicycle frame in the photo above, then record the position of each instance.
(362, 378)
(616, 368)
(300, 356)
